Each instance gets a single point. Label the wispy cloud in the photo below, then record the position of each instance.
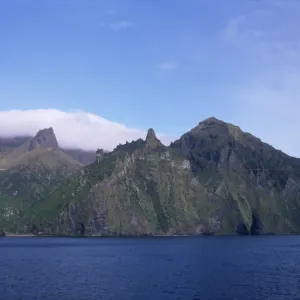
(168, 66)
(268, 44)
(77, 129)
(122, 25)
(233, 28)
(244, 26)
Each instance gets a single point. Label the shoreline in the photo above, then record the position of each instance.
(18, 235)
(27, 235)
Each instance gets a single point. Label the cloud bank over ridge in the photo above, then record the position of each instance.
(76, 129)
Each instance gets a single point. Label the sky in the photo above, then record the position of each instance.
(103, 72)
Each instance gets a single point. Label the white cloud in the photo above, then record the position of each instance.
(122, 25)
(267, 103)
(244, 27)
(167, 66)
(76, 129)
(233, 28)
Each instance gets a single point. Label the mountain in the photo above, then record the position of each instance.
(9, 144)
(215, 179)
(32, 169)
(42, 147)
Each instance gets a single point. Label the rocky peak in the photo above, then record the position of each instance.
(211, 121)
(151, 140)
(150, 134)
(44, 138)
(211, 124)
(99, 151)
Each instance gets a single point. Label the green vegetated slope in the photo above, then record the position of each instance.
(22, 186)
(38, 171)
(215, 179)
(26, 175)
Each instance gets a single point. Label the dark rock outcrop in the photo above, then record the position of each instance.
(242, 229)
(256, 227)
(80, 230)
(2, 233)
(99, 155)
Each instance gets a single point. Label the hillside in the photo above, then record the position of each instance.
(31, 170)
(215, 179)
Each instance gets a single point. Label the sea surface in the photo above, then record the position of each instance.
(186, 268)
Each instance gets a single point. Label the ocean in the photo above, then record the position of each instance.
(185, 268)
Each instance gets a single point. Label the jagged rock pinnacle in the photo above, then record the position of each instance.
(150, 134)
(44, 138)
(99, 151)
(151, 139)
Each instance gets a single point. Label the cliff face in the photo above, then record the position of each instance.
(215, 179)
(44, 138)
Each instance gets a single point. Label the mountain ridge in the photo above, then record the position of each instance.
(215, 179)
(17, 140)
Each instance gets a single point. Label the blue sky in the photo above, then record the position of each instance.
(162, 64)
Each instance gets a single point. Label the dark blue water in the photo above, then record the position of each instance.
(150, 268)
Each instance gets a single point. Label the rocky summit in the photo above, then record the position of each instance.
(215, 179)
(44, 138)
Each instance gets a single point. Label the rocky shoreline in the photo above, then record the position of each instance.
(18, 235)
